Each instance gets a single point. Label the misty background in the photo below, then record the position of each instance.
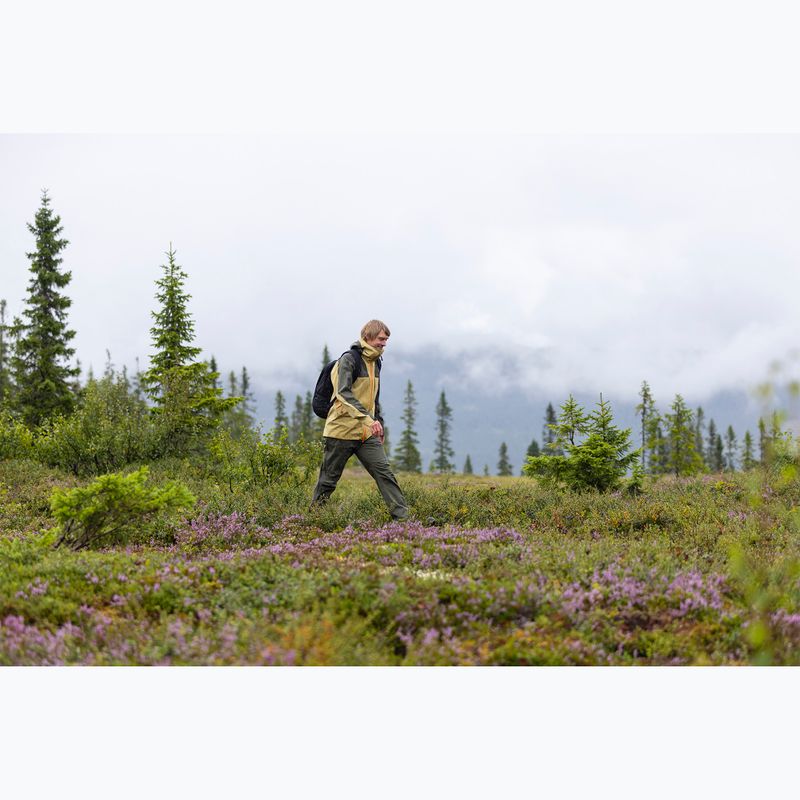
(511, 269)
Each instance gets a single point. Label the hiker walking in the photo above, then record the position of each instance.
(354, 425)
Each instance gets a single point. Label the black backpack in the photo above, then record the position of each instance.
(323, 391)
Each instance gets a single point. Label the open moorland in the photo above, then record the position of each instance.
(489, 571)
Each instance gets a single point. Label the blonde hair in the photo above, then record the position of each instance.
(373, 328)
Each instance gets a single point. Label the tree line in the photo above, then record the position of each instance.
(39, 386)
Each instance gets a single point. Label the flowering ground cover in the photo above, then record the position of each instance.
(691, 572)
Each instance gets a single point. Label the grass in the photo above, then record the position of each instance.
(488, 571)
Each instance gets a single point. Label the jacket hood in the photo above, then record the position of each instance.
(368, 352)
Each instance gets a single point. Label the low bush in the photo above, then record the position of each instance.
(112, 506)
(260, 460)
(111, 429)
(16, 441)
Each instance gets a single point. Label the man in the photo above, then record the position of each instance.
(354, 424)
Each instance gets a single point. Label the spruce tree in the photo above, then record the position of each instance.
(571, 422)
(596, 451)
(680, 431)
(281, 420)
(40, 363)
(503, 465)
(326, 356)
(213, 366)
(657, 445)
(468, 466)
(532, 452)
(748, 460)
(719, 454)
(486, 470)
(240, 418)
(184, 390)
(549, 446)
(710, 451)
(407, 456)
(730, 449)
(645, 410)
(173, 332)
(699, 432)
(387, 447)
(443, 450)
(248, 404)
(307, 426)
(296, 419)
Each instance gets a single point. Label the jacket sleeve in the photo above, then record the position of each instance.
(344, 391)
(378, 411)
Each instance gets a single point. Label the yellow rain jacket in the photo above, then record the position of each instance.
(356, 384)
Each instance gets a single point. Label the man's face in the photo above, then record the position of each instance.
(379, 341)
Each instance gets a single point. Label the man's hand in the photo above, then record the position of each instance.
(377, 430)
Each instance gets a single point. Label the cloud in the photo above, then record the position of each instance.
(588, 263)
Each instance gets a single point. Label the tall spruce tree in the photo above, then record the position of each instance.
(407, 457)
(699, 433)
(40, 363)
(281, 420)
(657, 445)
(307, 426)
(213, 366)
(248, 404)
(185, 391)
(711, 445)
(504, 465)
(296, 419)
(549, 445)
(683, 457)
(173, 331)
(748, 460)
(387, 445)
(443, 450)
(645, 410)
(468, 465)
(241, 417)
(719, 454)
(730, 449)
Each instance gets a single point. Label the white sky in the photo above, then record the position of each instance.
(591, 260)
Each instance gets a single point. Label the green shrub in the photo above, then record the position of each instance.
(16, 441)
(253, 460)
(598, 462)
(112, 506)
(110, 429)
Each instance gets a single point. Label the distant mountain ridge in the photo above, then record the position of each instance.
(486, 416)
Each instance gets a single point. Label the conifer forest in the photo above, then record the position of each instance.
(148, 517)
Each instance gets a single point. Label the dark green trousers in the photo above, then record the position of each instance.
(372, 455)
